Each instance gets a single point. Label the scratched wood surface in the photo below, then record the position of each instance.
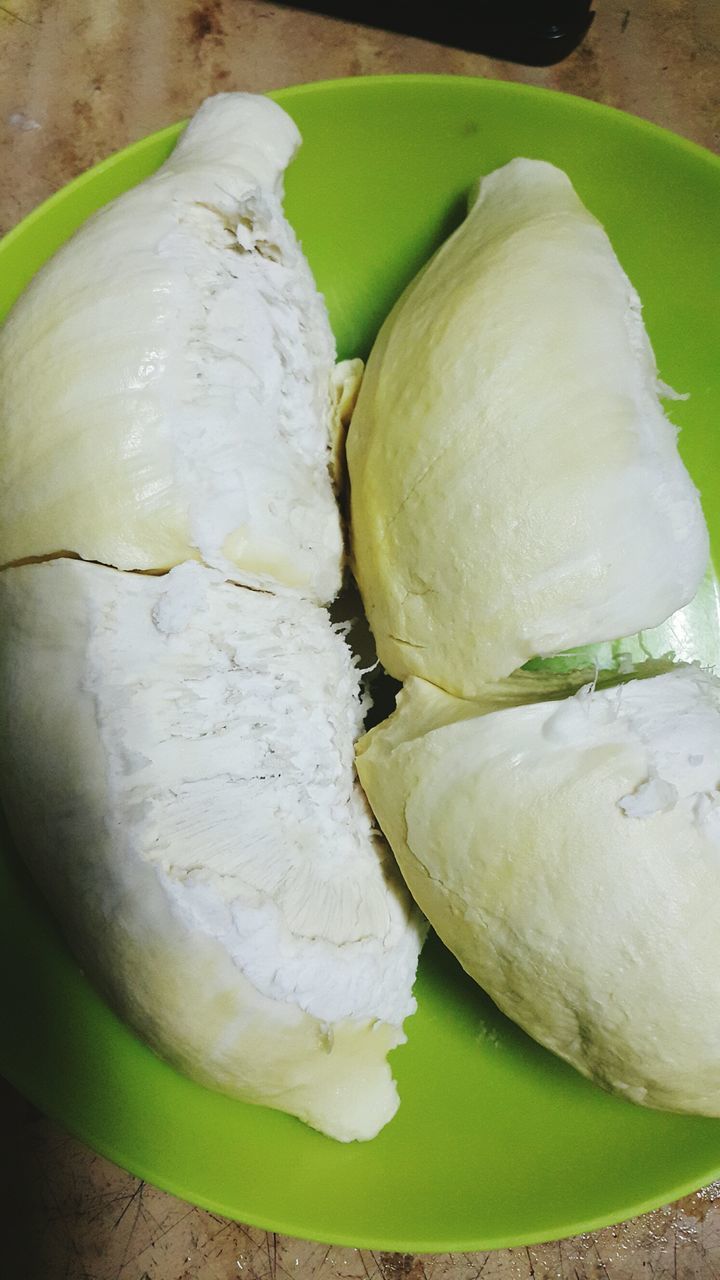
(71, 1215)
(81, 78)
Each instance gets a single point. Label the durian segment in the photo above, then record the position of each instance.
(178, 774)
(516, 486)
(568, 853)
(167, 380)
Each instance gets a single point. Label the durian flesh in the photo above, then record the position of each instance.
(567, 852)
(178, 774)
(167, 379)
(516, 487)
(177, 762)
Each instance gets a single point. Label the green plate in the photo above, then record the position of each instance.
(496, 1142)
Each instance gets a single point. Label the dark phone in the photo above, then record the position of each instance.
(534, 32)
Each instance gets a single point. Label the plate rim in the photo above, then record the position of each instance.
(309, 87)
(399, 1244)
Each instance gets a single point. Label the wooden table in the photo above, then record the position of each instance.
(80, 79)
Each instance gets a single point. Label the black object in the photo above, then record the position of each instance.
(535, 32)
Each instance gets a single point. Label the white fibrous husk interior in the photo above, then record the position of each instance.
(258, 705)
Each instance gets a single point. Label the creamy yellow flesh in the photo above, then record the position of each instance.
(516, 487)
(568, 852)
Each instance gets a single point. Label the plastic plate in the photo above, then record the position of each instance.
(496, 1142)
